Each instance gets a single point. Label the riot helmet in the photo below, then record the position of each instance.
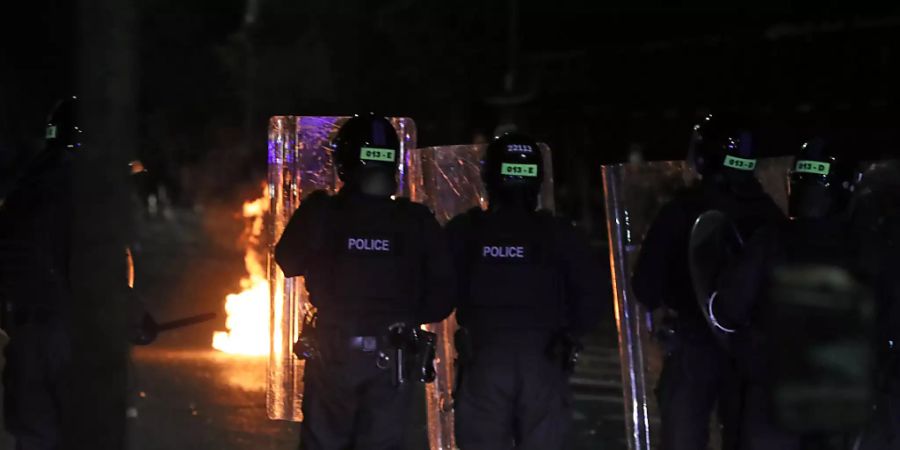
(366, 154)
(722, 146)
(512, 171)
(822, 179)
(62, 130)
(62, 136)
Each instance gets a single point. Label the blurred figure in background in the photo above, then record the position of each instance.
(876, 223)
(800, 291)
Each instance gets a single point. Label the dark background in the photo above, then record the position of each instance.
(594, 80)
(187, 86)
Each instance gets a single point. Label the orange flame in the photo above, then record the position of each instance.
(248, 310)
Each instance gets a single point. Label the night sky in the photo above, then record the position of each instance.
(593, 80)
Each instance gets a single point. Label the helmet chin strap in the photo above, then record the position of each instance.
(377, 185)
(731, 181)
(373, 184)
(509, 199)
(814, 206)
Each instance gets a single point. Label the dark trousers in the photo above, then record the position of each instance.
(697, 380)
(33, 383)
(758, 428)
(511, 395)
(349, 403)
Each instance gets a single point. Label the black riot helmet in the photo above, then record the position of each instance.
(722, 144)
(62, 137)
(367, 154)
(62, 130)
(822, 179)
(513, 170)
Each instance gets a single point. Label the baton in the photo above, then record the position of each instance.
(185, 322)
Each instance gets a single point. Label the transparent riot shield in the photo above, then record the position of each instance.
(448, 180)
(300, 162)
(634, 193)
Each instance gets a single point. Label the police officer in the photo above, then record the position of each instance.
(695, 366)
(819, 247)
(35, 227)
(876, 217)
(373, 265)
(528, 291)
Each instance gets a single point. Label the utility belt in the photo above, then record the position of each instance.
(560, 347)
(676, 331)
(407, 351)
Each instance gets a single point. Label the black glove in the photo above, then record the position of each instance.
(426, 343)
(146, 332)
(305, 348)
(566, 349)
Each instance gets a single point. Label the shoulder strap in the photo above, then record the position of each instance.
(548, 222)
(477, 215)
(320, 237)
(403, 202)
(407, 208)
(476, 219)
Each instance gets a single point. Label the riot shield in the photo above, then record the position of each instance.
(299, 162)
(448, 180)
(633, 194)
